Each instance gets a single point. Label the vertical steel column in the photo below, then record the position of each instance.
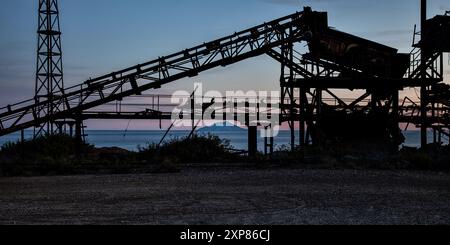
(78, 134)
(396, 115)
(79, 129)
(395, 106)
(22, 135)
(287, 89)
(303, 103)
(252, 140)
(423, 90)
(269, 142)
(318, 105)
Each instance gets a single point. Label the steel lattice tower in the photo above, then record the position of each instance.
(49, 69)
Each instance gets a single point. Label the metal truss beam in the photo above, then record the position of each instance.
(152, 75)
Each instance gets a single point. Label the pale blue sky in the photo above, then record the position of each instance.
(100, 36)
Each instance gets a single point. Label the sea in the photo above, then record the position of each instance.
(134, 139)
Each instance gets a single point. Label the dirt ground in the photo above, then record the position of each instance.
(230, 196)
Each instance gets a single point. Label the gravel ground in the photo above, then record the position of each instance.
(230, 196)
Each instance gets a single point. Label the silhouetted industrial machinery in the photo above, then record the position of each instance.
(334, 61)
(49, 69)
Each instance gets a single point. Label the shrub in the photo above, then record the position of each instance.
(197, 149)
(44, 155)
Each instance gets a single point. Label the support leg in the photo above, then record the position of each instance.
(252, 141)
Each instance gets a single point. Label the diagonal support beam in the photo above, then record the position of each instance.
(297, 68)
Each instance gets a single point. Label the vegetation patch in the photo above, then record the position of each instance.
(54, 154)
(62, 155)
(196, 149)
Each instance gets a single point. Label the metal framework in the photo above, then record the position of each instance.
(152, 75)
(381, 94)
(49, 68)
(306, 81)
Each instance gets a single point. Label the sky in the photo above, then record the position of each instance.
(100, 36)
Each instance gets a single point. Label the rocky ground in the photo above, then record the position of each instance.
(230, 196)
